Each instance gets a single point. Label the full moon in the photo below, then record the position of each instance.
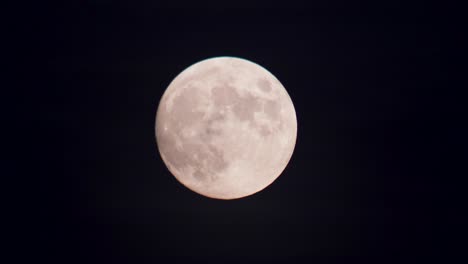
(226, 128)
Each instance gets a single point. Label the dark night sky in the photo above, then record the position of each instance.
(371, 174)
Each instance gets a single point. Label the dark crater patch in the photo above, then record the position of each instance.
(264, 131)
(264, 85)
(224, 95)
(199, 175)
(272, 109)
(245, 108)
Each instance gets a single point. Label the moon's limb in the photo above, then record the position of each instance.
(226, 128)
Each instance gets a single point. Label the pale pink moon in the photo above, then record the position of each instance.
(226, 128)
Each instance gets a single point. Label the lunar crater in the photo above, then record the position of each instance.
(264, 85)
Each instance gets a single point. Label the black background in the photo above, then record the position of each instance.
(372, 174)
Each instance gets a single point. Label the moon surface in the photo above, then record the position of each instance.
(226, 128)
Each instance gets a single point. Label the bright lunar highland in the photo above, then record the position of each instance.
(226, 128)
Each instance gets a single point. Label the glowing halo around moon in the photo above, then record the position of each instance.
(226, 128)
